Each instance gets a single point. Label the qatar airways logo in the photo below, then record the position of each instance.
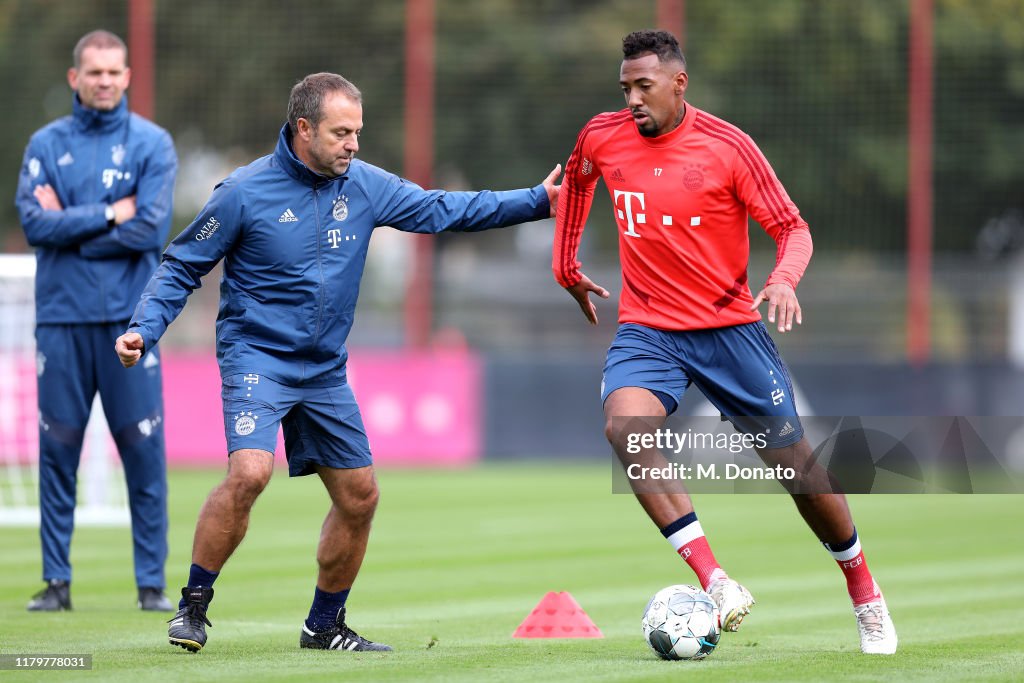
(210, 227)
(629, 208)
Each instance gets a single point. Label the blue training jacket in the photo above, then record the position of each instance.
(85, 271)
(294, 245)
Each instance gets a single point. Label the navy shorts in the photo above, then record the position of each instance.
(322, 425)
(737, 368)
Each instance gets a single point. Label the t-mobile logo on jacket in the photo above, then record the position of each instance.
(334, 237)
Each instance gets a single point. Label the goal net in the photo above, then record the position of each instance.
(102, 499)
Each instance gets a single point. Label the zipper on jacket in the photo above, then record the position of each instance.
(104, 303)
(320, 267)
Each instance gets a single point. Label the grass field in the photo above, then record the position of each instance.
(457, 559)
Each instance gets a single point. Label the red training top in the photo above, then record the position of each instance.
(681, 203)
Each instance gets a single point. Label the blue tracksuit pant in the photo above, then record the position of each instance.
(74, 362)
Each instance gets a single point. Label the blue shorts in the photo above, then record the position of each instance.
(737, 368)
(322, 425)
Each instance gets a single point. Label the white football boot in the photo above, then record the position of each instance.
(733, 600)
(877, 633)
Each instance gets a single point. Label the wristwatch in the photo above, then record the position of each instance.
(111, 216)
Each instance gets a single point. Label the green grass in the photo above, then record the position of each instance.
(458, 558)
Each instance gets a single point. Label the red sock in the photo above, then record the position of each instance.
(859, 582)
(687, 537)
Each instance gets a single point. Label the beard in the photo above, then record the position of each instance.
(329, 164)
(649, 129)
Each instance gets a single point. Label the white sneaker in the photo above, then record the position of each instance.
(877, 633)
(734, 602)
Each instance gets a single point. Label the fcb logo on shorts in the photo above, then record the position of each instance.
(245, 423)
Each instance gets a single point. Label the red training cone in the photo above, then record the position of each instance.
(558, 615)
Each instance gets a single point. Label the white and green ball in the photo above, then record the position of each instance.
(681, 622)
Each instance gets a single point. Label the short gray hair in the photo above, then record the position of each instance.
(307, 98)
(99, 38)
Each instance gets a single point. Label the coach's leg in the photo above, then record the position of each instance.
(145, 471)
(60, 447)
(343, 539)
(346, 529)
(133, 404)
(224, 517)
(223, 521)
(65, 392)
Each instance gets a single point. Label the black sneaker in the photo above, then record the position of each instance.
(54, 598)
(153, 600)
(187, 627)
(339, 637)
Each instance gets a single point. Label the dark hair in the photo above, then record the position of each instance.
(307, 98)
(661, 43)
(100, 39)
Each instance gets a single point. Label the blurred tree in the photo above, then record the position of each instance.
(820, 86)
(36, 40)
(979, 174)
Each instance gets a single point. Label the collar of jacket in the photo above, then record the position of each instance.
(99, 121)
(291, 164)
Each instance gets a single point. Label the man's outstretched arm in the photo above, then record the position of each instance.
(408, 207)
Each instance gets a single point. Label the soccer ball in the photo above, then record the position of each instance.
(681, 622)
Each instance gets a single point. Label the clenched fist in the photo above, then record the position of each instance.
(129, 347)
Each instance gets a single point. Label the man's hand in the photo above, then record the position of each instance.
(129, 347)
(781, 299)
(552, 189)
(124, 209)
(47, 198)
(581, 292)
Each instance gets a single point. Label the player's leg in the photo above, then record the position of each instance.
(642, 383)
(828, 516)
(66, 389)
(825, 512)
(133, 404)
(633, 410)
(745, 377)
(337, 449)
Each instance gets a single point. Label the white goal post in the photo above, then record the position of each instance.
(102, 499)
